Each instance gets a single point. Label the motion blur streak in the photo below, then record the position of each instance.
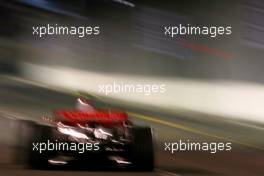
(226, 99)
(185, 128)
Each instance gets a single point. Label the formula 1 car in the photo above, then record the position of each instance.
(88, 138)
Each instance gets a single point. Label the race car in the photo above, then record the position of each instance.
(88, 138)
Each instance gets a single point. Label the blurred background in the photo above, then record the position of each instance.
(209, 97)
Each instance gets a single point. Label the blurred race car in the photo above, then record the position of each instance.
(87, 137)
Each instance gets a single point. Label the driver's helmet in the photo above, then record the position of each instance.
(84, 105)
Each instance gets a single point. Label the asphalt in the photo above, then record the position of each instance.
(21, 99)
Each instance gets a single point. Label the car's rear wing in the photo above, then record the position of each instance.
(106, 117)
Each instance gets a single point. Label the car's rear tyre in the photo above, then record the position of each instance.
(31, 134)
(143, 149)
